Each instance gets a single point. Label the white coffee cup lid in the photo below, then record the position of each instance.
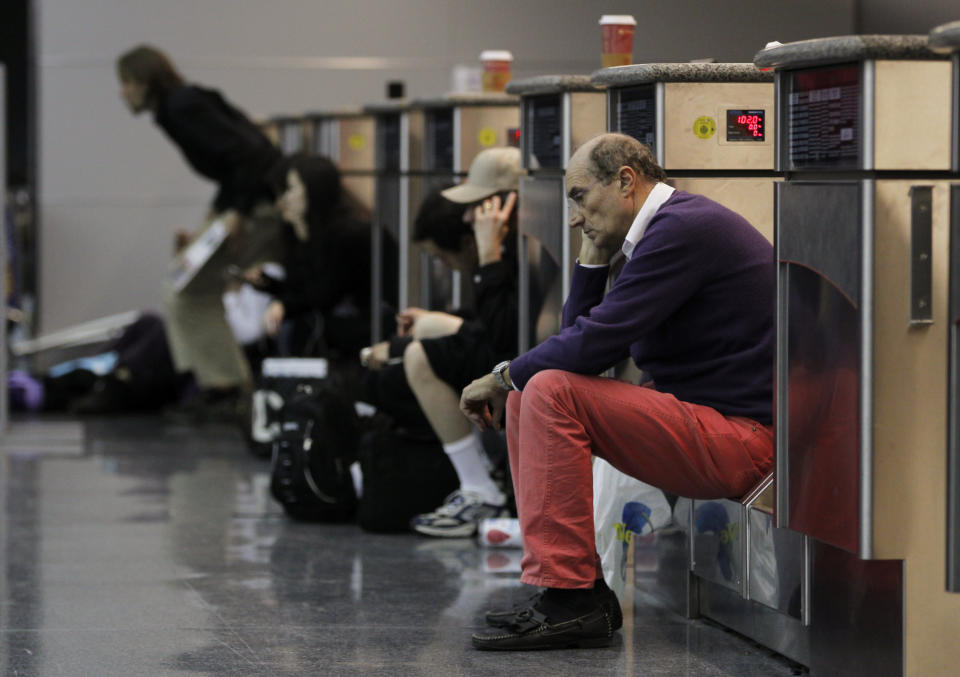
(496, 55)
(618, 19)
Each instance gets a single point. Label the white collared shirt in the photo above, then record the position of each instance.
(659, 194)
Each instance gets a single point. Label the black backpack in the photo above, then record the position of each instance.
(405, 473)
(310, 469)
(279, 381)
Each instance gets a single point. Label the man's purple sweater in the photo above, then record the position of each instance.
(693, 306)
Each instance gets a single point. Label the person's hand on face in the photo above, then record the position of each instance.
(491, 226)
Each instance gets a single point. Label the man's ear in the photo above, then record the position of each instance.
(628, 180)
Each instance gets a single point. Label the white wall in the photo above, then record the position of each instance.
(113, 189)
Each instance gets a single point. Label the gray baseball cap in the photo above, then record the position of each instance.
(493, 171)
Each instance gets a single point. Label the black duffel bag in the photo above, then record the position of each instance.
(405, 473)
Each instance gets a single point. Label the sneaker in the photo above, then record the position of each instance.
(458, 517)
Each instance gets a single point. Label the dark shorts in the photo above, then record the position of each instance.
(461, 358)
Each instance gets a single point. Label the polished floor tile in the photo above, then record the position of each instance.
(157, 551)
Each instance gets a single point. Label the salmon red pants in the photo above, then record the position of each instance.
(561, 419)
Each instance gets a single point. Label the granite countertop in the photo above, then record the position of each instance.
(844, 48)
(466, 99)
(552, 84)
(285, 118)
(352, 112)
(643, 73)
(945, 38)
(396, 106)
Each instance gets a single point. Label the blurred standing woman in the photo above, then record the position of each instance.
(222, 144)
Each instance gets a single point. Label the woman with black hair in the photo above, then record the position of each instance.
(326, 257)
(222, 144)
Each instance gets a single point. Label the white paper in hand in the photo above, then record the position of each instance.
(192, 259)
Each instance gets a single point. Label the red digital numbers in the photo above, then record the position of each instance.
(749, 124)
(753, 122)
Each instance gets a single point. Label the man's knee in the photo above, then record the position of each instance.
(416, 364)
(547, 384)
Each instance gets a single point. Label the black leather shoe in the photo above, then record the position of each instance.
(530, 630)
(503, 617)
(606, 597)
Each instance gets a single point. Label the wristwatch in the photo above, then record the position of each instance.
(498, 375)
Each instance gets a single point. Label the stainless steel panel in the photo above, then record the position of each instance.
(857, 620)
(541, 234)
(291, 136)
(868, 113)
(774, 564)
(921, 255)
(955, 128)
(867, 202)
(4, 254)
(819, 412)
(718, 545)
(781, 408)
(953, 411)
(818, 227)
(662, 563)
(779, 632)
(540, 212)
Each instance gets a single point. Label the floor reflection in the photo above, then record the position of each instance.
(158, 552)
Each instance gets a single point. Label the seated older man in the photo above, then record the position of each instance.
(693, 306)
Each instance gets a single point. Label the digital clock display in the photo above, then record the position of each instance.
(746, 125)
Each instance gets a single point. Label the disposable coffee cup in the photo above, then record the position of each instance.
(617, 31)
(496, 69)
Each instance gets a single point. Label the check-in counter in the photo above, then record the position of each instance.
(558, 113)
(946, 40)
(396, 141)
(290, 133)
(347, 138)
(711, 126)
(863, 225)
(454, 129)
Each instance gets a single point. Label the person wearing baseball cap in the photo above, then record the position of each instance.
(472, 228)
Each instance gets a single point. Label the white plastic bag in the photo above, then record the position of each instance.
(623, 506)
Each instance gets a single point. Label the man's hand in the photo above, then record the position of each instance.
(375, 356)
(181, 240)
(483, 402)
(592, 255)
(233, 221)
(273, 317)
(490, 227)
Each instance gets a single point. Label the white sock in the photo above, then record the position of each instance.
(470, 462)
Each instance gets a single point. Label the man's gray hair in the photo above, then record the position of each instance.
(613, 151)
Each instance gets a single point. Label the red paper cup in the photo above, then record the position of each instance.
(496, 69)
(617, 31)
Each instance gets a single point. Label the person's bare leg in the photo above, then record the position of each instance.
(441, 405)
(439, 401)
